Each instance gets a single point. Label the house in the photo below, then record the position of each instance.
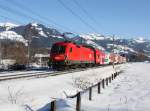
(42, 59)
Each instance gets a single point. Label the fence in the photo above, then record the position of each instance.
(102, 84)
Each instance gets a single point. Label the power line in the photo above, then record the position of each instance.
(10, 10)
(85, 11)
(21, 6)
(16, 12)
(76, 15)
(11, 19)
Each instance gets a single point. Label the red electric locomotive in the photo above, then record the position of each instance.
(68, 54)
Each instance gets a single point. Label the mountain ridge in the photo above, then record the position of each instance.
(42, 36)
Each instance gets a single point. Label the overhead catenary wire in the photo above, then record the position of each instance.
(8, 18)
(10, 10)
(86, 13)
(77, 16)
(18, 13)
(44, 18)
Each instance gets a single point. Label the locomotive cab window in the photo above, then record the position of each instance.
(58, 49)
(71, 49)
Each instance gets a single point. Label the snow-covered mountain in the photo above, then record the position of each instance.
(139, 40)
(93, 36)
(38, 34)
(11, 35)
(43, 36)
(119, 45)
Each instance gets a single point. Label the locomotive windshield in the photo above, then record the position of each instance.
(58, 49)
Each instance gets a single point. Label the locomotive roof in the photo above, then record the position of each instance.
(65, 42)
(80, 45)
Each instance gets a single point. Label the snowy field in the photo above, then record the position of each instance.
(129, 92)
(8, 73)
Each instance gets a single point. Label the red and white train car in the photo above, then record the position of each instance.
(69, 54)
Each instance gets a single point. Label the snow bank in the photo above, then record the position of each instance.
(36, 94)
(129, 92)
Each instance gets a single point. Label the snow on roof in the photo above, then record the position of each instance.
(41, 55)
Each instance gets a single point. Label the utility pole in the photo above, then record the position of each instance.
(28, 53)
(125, 48)
(28, 35)
(113, 51)
(0, 51)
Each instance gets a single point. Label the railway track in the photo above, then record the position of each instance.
(42, 74)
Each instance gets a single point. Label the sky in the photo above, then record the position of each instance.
(124, 18)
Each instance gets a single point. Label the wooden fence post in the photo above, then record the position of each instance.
(112, 76)
(78, 103)
(53, 105)
(107, 81)
(90, 93)
(99, 88)
(110, 79)
(103, 83)
(117, 73)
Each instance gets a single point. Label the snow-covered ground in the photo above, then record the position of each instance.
(129, 92)
(7, 73)
(11, 35)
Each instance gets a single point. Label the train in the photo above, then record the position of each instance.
(67, 54)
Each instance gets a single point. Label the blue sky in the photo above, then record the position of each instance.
(124, 18)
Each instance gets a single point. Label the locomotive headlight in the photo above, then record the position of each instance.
(57, 58)
(60, 57)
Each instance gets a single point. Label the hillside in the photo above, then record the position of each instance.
(40, 36)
